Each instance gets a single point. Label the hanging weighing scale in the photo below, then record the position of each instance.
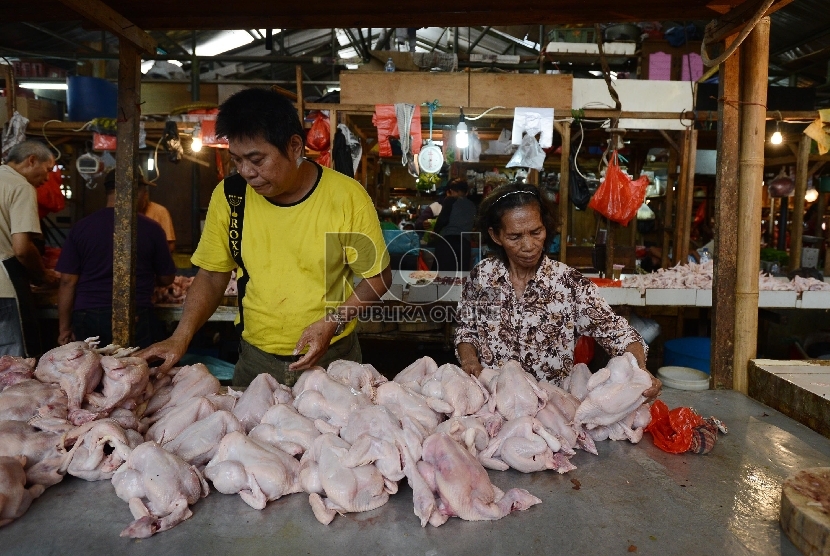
(431, 157)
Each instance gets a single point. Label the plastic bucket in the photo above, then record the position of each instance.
(90, 97)
(688, 352)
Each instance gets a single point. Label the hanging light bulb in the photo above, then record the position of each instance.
(196, 144)
(462, 138)
(777, 138)
(812, 195)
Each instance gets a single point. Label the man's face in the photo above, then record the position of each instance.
(267, 170)
(35, 171)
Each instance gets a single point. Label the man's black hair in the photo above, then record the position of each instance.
(260, 114)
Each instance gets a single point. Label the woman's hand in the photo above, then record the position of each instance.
(652, 393)
(468, 357)
(472, 368)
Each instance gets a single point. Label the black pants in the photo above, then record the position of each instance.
(26, 305)
(453, 253)
(87, 323)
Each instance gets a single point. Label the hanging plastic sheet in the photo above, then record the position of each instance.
(533, 121)
(14, 132)
(529, 155)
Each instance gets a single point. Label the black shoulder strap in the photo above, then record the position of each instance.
(235, 188)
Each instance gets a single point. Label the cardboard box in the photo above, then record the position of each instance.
(163, 98)
(37, 110)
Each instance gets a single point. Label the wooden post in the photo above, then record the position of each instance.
(726, 225)
(124, 239)
(801, 171)
(332, 132)
(300, 108)
(685, 196)
(669, 222)
(754, 77)
(564, 189)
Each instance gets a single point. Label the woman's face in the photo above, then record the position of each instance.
(522, 236)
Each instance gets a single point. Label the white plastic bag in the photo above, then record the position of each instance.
(645, 213)
(529, 155)
(533, 121)
(473, 151)
(502, 145)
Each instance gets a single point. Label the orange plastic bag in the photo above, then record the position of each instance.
(319, 136)
(386, 122)
(49, 195)
(673, 430)
(618, 197)
(324, 159)
(584, 350)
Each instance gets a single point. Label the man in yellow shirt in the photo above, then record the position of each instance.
(157, 212)
(298, 234)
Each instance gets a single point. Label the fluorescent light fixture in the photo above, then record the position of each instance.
(351, 66)
(43, 85)
(224, 41)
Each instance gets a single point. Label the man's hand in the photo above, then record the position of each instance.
(652, 393)
(51, 279)
(169, 350)
(66, 336)
(317, 337)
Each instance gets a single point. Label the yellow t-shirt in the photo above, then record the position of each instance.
(161, 215)
(300, 258)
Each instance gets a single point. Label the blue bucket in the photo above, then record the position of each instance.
(90, 97)
(688, 352)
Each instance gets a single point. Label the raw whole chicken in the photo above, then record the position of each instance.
(364, 378)
(191, 381)
(31, 398)
(402, 401)
(516, 393)
(98, 449)
(44, 458)
(15, 369)
(630, 427)
(257, 471)
(558, 416)
(527, 446)
(613, 392)
(15, 498)
(159, 487)
(256, 400)
(178, 419)
(576, 383)
(76, 367)
(318, 396)
(197, 444)
(376, 436)
(469, 431)
(127, 420)
(126, 384)
(449, 481)
(417, 373)
(286, 429)
(346, 489)
(224, 402)
(463, 392)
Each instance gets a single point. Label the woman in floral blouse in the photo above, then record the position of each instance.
(519, 304)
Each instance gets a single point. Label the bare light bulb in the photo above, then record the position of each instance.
(776, 138)
(811, 195)
(462, 138)
(196, 144)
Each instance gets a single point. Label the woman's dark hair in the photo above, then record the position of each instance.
(503, 199)
(458, 184)
(260, 113)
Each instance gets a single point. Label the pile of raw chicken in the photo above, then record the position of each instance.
(345, 435)
(700, 277)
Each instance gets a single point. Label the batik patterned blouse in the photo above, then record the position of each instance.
(540, 329)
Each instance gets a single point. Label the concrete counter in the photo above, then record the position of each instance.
(724, 503)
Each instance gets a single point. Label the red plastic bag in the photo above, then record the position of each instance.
(319, 136)
(324, 159)
(673, 430)
(584, 350)
(386, 122)
(49, 195)
(618, 198)
(102, 142)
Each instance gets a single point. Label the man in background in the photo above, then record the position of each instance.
(454, 224)
(27, 168)
(158, 213)
(85, 264)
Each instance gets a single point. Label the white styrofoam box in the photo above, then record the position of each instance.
(614, 296)
(449, 293)
(395, 293)
(704, 298)
(634, 298)
(423, 294)
(815, 300)
(610, 48)
(676, 297)
(637, 95)
(777, 298)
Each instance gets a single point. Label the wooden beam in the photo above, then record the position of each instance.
(101, 14)
(783, 160)
(124, 240)
(726, 225)
(564, 130)
(685, 198)
(300, 108)
(801, 175)
(669, 140)
(669, 220)
(754, 77)
(734, 20)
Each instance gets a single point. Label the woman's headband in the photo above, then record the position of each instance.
(509, 193)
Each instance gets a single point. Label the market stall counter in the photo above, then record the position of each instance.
(630, 498)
